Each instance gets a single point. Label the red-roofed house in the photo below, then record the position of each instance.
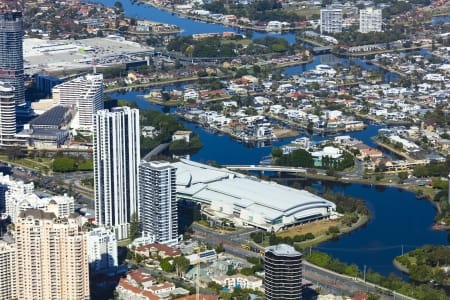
(201, 297)
(361, 296)
(158, 249)
(139, 278)
(372, 153)
(127, 291)
(162, 288)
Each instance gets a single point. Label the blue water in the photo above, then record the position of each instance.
(442, 19)
(147, 12)
(398, 218)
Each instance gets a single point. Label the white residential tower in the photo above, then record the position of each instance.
(7, 113)
(85, 94)
(116, 162)
(102, 249)
(158, 202)
(331, 20)
(370, 20)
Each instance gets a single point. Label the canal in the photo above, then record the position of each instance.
(399, 221)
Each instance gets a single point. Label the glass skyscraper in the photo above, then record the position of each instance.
(11, 53)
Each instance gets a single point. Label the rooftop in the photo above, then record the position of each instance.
(37, 214)
(140, 277)
(169, 251)
(201, 297)
(53, 117)
(207, 184)
(283, 250)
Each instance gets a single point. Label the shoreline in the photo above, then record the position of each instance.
(392, 149)
(193, 79)
(362, 221)
(213, 21)
(400, 267)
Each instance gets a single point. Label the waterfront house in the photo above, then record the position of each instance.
(190, 94)
(329, 151)
(182, 135)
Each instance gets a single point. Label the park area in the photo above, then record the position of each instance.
(317, 228)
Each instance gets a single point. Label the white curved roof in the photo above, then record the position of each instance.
(207, 184)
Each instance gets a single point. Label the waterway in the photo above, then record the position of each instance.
(440, 19)
(189, 26)
(398, 218)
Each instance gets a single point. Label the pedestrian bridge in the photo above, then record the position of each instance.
(322, 50)
(267, 168)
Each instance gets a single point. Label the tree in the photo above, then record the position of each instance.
(181, 264)
(63, 164)
(215, 286)
(134, 227)
(403, 175)
(219, 248)
(166, 265)
(14, 153)
(86, 166)
(277, 152)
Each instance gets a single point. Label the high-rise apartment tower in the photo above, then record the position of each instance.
(331, 20)
(11, 53)
(7, 270)
(158, 202)
(51, 258)
(283, 273)
(370, 20)
(85, 94)
(116, 162)
(7, 114)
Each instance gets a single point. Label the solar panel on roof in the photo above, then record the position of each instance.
(53, 117)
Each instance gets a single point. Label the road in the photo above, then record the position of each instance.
(328, 280)
(82, 194)
(232, 241)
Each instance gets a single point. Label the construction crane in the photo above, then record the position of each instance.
(197, 279)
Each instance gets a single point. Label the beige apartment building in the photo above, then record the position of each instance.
(7, 271)
(52, 257)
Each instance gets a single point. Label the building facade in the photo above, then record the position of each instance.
(17, 196)
(11, 53)
(7, 270)
(116, 161)
(11, 189)
(85, 94)
(370, 20)
(102, 251)
(158, 201)
(283, 273)
(7, 114)
(45, 83)
(51, 257)
(331, 20)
